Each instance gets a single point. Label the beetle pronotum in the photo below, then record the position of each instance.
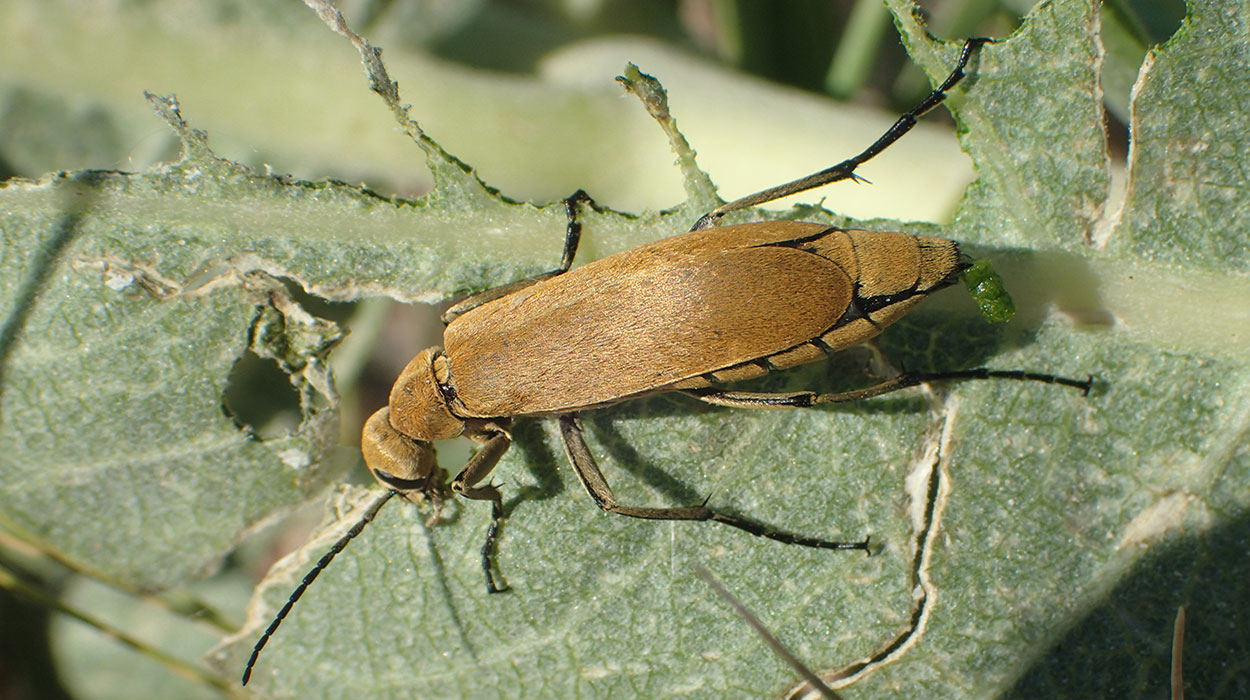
(688, 313)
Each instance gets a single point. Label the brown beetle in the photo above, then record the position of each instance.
(688, 313)
(685, 313)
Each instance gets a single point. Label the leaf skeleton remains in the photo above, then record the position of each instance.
(683, 314)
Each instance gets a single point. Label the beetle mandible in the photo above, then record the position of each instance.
(684, 314)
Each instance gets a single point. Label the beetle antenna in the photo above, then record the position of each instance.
(312, 576)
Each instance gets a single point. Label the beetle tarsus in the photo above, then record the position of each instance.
(488, 548)
(912, 379)
(760, 530)
(572, 230)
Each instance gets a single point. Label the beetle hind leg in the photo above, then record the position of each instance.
(846, 169)
(597, 486)
(807, 399)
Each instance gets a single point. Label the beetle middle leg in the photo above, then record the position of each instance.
(596, 485)
(572, 237)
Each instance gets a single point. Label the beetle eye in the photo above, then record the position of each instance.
(400, 484)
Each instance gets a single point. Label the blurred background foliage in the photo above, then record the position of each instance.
(845, 49)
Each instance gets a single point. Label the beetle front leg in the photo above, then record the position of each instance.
(597, 486)
(495, 441)
(572, 237)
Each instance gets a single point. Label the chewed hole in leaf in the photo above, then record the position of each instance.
(260, 398)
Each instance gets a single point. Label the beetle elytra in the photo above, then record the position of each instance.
(687, 314)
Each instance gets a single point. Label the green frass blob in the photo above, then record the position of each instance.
(987, 289)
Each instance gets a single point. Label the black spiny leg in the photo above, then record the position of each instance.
(572, 236)
(846, 169)
(807, 399)
(494, 440)
(592, 479)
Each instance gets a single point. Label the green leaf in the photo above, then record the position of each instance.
(1064, 530)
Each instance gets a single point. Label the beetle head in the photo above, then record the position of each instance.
(397, 461)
